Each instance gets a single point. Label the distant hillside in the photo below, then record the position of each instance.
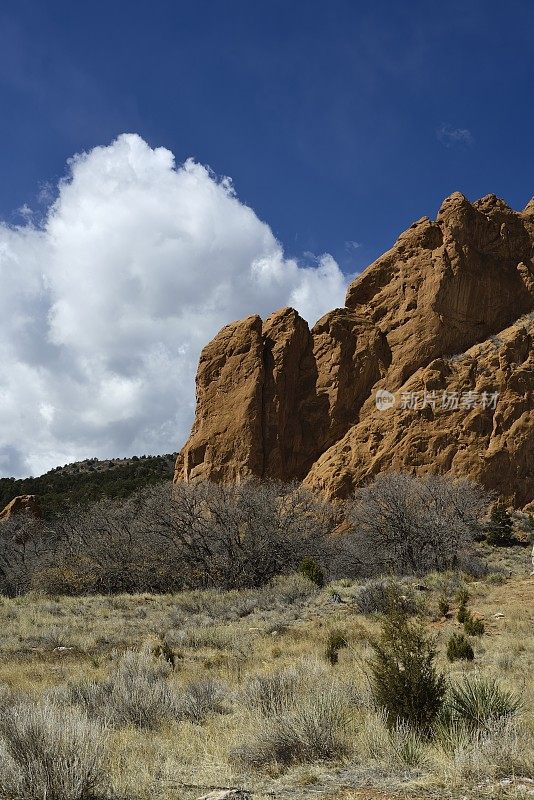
(86, 481)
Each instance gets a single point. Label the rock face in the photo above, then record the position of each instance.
(24, 504)
(273, 396)
(445, 316)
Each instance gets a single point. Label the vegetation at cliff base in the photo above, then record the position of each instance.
(86, 482)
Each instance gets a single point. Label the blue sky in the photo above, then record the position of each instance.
(338, 124)
(326, 115)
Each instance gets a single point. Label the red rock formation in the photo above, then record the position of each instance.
(276, 400)
(23, 504)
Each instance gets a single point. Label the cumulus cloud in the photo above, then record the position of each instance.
(106, 305)
(452, 137)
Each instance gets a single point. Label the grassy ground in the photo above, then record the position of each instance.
(225, 640)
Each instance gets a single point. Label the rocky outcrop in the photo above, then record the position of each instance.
(225, 442)
(273, 396)
(444, 420)
(448, 284)
(444, 313)
(24, 504)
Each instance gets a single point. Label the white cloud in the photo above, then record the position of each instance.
(106, 306)
(451, 137)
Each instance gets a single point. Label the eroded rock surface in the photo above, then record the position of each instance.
(447, 310)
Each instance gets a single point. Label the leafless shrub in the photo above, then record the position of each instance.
(167, 539)
(240, 535)
(408, 524)
(49, 752)
(204, 535)
(24, 543)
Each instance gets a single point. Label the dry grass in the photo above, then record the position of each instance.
(253, 701)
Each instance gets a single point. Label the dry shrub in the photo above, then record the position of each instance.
(50, 752)
(139, 693)
(288, 589)
(201, 698)
(382, 595)
(302, 717)
(314, 729)
(504, 748)
(273, 693)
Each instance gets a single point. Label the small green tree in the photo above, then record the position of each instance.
(444, 606)
(311, 570)
(500, 528)
(335, 642)
(459, 648)
(404, 680)
(462, 598)
(473, 626)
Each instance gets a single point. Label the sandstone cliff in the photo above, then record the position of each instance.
(444, 317)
